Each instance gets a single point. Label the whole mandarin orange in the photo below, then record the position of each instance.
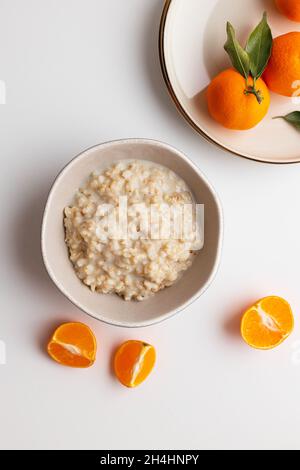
(282, 74)
(231, 104)
(290, 8)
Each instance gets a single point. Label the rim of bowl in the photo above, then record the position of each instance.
(173, 312)
(185, 114)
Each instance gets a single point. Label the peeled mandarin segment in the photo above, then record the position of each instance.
(61, 355)
(144, 365)
(267, 323)
(280, 311)
(73, 345)
(133, 362)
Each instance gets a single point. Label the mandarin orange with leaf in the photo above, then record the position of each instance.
(238, 98)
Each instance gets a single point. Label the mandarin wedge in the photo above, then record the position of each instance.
(73, 345)
(133, 362)
(267, 323)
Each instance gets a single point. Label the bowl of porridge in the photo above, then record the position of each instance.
(132, 232)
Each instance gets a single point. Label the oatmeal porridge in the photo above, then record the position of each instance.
(124, 230)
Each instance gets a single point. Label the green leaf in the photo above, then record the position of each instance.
(239, 57)
(259, 47)
(292, 118)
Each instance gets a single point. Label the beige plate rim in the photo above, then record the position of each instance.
(182, 110)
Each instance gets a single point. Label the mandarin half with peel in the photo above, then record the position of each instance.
(267, 323)
(73, 345)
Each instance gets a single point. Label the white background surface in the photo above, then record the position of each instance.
(79, 72)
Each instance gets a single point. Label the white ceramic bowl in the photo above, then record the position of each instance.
(111, 308)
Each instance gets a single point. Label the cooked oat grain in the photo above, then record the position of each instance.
(138, 266)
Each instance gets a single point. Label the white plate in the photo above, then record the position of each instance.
(192, 37)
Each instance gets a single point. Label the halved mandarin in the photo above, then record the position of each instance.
(73, 345)
(268, 323)
(133, 362)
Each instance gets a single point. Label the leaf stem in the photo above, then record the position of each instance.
(252, 90)
(292, 118)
